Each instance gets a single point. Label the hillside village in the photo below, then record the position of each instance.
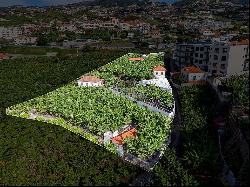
(163, 86)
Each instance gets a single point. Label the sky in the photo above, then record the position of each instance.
(5, 3)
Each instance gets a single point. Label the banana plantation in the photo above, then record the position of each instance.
(93, 111)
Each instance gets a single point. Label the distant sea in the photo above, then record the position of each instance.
(41, 3)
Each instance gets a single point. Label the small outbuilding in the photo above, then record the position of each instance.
(91, 81)
(159, 72)
(193, 74)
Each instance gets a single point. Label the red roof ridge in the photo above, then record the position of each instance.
(119, 139)
(192, 69)
(159, 68)
(242, 42)
(136, 59)
(90, 78)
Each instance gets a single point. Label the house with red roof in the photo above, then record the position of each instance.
(159, 72)
(91, 81)
(3, 56)
(193, 74)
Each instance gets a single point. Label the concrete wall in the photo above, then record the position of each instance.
(236, 59)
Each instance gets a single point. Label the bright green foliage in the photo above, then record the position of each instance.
(151, 94)
(99, 110)
(34, 153)
(130, 70)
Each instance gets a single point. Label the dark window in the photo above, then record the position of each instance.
(194, 77)
(214, 64)
(223, 58)
(196, 61)
(156, 73)
(214, 71)
(215, 57)
(197, 48)
(202, 49)
(200, 62)
(201, 55)
(161, 73)
(216, 50)
(223, 66)
(196, 54)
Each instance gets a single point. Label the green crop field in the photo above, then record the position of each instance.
(36, 153)
(93, 111)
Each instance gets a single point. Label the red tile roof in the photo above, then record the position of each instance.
(192, 70)
(159, 68)
(3, 56)
(242, 42)
(136, 59)
(119, 139)
(93, 79)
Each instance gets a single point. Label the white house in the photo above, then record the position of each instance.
(25, 40)
(92, 81)
(160, 81)
(159, 72)
(193, 74)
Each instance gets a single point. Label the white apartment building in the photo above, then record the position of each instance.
(216, 58)
(10, 32)
(22, 40)
(67, 27)
(228, 58)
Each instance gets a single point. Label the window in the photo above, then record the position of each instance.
(202, 48)
(214, 64)
(196, 54)
(216, 50)
(223, 58)
(200, 61)
(197, 49)
(214, 71)
(223, 66)
(194, 77)
(215, 57)
(196, 61)
(224, 50)
(201, 55)
(162, 73)
(156, 73)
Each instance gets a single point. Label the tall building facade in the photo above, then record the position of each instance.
(215, 58)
